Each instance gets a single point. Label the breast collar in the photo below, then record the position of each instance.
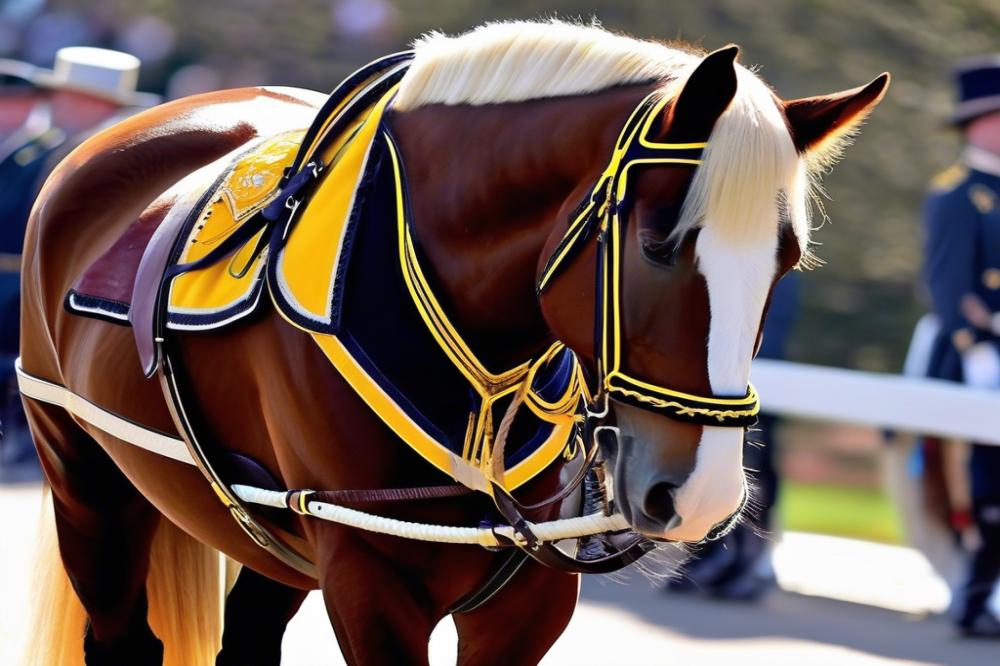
(606, 210)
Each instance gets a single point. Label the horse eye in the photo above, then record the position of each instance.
(661, 251)
(655, 231)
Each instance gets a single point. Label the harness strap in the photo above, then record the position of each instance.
(393, 494)
(511, 563)
(698, 409)
(540, 546)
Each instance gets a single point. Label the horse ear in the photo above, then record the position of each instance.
(706, 94)
(819, 121)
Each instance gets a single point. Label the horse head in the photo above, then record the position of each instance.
(700, 211)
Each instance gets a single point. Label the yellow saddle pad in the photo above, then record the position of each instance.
(306, 267)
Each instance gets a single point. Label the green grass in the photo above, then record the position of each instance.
(841, 511)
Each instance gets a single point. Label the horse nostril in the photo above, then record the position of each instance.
(659, 502)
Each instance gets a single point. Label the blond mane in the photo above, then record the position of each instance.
(751, 175)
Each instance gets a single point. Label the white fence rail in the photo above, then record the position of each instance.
(909, 404)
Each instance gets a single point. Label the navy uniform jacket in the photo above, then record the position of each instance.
(962, 256)
(23, 168)
(21, 173)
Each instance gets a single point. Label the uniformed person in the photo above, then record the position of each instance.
(43, 115)
(962, 269)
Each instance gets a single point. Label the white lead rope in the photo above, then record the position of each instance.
(556, 530)
(174, 448)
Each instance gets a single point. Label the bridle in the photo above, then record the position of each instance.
(606, 211)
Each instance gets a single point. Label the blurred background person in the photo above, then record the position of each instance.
(737, 566)
(43, 115)
(962, 270)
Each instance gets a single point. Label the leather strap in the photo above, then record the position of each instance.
(632, 547)
(502, 574)
(392, 494)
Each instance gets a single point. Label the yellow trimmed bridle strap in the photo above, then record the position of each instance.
(714, 411)
(604, 211)
(610, 191)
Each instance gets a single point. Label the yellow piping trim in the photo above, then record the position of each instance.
(625, 138)
(334, 115)
(490, 386)
(468, 435)
(614, 251)
(221, 495)
(685, 410)
(540, 459)
(682, 409)
(447, 337)
(485, 382)
(648, 125)
(574, 229)
(751, 392)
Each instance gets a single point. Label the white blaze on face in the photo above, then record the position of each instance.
(738, 276)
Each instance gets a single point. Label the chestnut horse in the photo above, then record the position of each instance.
(503, 132)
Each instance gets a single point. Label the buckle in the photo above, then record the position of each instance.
(298, 501)
(242, 519)
(605, 408)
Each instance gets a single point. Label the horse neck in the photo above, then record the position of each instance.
(489, 186)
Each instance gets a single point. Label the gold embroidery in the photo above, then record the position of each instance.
(983, 198)
(991, 278)
(686, 410)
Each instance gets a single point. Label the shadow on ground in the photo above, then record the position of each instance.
(890, 634)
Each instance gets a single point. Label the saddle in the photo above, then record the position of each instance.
(319, 216)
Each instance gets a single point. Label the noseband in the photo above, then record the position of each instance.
(606, 210)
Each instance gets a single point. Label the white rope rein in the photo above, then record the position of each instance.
(556, 530)
(171, 447)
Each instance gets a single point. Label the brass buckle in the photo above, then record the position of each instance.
(243, 520)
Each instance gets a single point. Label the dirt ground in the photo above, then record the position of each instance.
(635, 623)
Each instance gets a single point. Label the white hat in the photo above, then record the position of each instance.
(104, 73)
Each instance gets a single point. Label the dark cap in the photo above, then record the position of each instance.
(978, 82)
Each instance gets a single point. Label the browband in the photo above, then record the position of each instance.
(603, 210)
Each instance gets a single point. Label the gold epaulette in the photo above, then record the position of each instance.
(950, 178)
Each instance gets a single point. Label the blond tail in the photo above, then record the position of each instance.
(185, 588)
(56, 620)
